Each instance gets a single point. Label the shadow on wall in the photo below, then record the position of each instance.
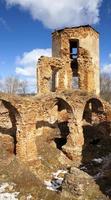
(41, 124)
(97, 143)
(61, 125)
(9, 118)
(62, 131)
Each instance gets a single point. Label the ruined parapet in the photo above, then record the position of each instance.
(53, 74)
(81, 46)
(75, 62)
(85, 72)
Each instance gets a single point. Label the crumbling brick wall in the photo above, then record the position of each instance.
(53, 124)
(60, 126)
(86, 72)
(84, 66)
(88, 53)
(53, 74)
(6, 147)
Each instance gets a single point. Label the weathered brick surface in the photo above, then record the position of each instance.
(6, 147)
(87, 59)
(56, 129)
(41, 122)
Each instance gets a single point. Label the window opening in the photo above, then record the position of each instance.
(75, 82)
(54, 81)
(74, 44)
(73, 49)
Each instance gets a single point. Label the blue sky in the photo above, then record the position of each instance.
(26, 26)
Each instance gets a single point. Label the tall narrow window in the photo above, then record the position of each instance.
(54, 74)
(74, 49)
(74, 46)
(53, 80)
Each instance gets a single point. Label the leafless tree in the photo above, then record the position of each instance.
(23, 87)
(106, 86)
(13, 85)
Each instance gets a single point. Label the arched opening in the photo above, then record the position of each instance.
(96, 150)
(94, 111)
(65, 115)
(59, 126)
(94, 130)
(9, 117)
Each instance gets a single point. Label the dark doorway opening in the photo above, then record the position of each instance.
(64, 132)
(94, 120)
(96, 150)
(64, 114)
(94, 112)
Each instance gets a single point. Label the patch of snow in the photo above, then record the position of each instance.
(50, 186)
(9, 196)
(56, 181)
(83, 168)
(6, 195)
(29, 197)
(98, 145)
(56, 174)
(97, 176)
(3, 187)
(108, 191)
(98, 160)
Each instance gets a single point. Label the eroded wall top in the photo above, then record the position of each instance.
(76, 51)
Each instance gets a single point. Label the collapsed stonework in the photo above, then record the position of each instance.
(67, 121)
(75, 61)
(60, 126)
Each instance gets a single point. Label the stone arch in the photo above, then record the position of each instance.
(64, 121)
(63, 104)
(93, 111)
(9, 120)
(94, 129)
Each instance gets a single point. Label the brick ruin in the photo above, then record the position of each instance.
(75, 62)
(64, 123)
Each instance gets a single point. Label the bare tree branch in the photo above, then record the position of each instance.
(106, 86)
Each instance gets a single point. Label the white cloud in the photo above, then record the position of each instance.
(28, 71)
(106, 69)
(60, 13)
(110, 55)
(26, 66)
(28, 61)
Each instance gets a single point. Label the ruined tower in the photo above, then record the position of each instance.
(74, 63)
